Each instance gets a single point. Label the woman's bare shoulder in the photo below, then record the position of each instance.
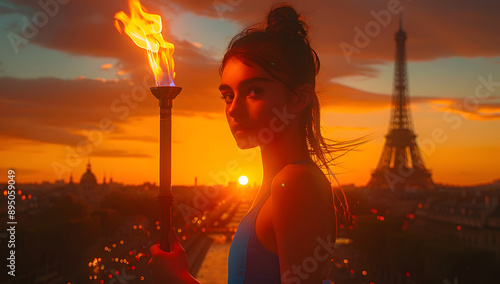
(301, 180)
(301, 174)
(302, 197)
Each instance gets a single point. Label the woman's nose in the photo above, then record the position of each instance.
(237, 108)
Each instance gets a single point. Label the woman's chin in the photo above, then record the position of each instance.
(246, 146)
(245, 142)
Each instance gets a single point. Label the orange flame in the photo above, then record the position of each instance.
(145, 30)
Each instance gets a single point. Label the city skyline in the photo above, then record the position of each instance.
(77, 80)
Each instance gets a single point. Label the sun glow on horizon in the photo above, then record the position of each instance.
(243, 180)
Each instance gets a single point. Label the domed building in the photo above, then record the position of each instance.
(88, 182)
(88, 189)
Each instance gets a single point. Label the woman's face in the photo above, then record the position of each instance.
(256, 104)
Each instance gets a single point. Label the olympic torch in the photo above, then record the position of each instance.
(145, 30)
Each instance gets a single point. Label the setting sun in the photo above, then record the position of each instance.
(243, 180)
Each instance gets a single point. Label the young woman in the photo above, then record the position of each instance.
(268, 79)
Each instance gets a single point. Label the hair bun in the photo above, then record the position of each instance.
(284, 19)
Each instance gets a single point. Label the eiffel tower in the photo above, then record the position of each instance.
(401, 166)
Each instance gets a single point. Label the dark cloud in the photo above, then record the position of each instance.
(56, 111)
(12, 7)
(79, 27)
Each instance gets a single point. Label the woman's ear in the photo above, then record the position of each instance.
(302, 97)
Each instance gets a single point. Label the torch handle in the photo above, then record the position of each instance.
(165, 202)
(165, 197)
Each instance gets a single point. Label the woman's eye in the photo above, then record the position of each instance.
(254, 92)
(227, 97)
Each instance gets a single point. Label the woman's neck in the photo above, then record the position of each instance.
(282, 151)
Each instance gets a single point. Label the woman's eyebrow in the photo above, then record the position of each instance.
(246, 82)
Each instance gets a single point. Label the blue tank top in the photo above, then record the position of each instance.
(250, 262)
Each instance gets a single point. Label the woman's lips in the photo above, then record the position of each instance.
(239, 127)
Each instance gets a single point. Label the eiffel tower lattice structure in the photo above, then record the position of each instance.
(401, 166)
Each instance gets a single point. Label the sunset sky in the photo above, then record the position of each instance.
(73, 74)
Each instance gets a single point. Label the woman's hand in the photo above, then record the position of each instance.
(170, 267)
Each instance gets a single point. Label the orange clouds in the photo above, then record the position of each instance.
(54, 110)
(471, 112)
(106, 66)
